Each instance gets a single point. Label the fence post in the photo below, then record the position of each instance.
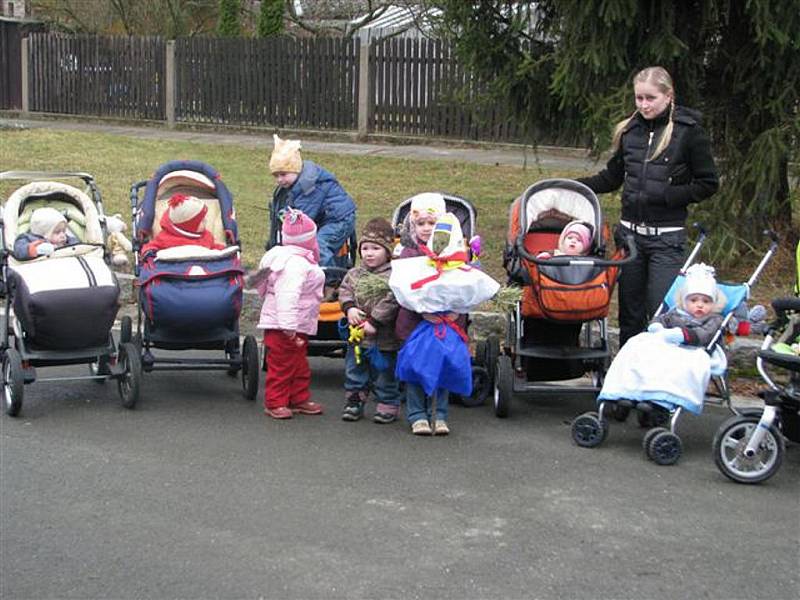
(364, 112)
(169, 100)
(24, 79)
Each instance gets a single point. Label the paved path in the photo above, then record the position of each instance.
(482, 154)
(196, 494)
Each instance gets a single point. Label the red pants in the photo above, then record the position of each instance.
(288, 373)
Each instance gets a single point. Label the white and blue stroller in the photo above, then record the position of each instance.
(662, 380)
(190, 298)
(59, 309)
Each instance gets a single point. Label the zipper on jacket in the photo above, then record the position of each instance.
(643, 184)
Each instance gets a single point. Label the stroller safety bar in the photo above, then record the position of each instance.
(564, 261)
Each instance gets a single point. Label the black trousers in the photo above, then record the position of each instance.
(644, 281)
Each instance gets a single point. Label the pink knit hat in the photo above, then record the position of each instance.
(299, 230)
(580, 229)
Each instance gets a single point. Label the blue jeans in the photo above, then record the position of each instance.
(418, 405)
(364, 376)
(331, 237)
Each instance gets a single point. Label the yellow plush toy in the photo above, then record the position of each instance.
(118, 244)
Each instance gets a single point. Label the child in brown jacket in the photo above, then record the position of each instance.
(375, 317)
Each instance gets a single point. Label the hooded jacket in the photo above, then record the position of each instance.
(319, 194)
(657, 192)
(292, 290)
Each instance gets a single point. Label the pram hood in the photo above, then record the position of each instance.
(460, 207)
(189, 177)
(85, 210)
(560, 199)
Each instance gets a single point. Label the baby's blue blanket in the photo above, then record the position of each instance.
(648, 368)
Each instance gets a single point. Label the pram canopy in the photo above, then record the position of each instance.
(189, 177)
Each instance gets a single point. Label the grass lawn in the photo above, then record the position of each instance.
(377, 184)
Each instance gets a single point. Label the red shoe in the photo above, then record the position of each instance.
(307, 408)
(279, 412)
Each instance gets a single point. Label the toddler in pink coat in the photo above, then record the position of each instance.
(290, 282)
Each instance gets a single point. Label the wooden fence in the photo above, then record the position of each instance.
(91, 75)
(413, 86)
(280, 82)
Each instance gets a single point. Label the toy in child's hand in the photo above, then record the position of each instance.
(655, 327)
(475, 245)
(118, 244)
(671, 335)
(45, 249)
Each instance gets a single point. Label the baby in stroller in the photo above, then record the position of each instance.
(48, 231)
(183, 224)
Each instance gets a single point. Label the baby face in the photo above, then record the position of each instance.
(58, 235)
(284, 179)
(423, 227)
(698, 305)
(573, 245)
(373, 255)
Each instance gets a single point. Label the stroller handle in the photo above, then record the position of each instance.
(564, 261)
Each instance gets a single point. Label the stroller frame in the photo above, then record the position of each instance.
(661, 442)
(114, 360)
(240, 359)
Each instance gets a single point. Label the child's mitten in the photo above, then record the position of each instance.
(655, 327)
(757, 314)
(673, 335)
(45, 249)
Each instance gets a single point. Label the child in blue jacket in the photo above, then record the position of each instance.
(307, 187)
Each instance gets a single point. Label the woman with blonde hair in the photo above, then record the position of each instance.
(662, 159)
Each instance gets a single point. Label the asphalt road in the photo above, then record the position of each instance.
(196, 494)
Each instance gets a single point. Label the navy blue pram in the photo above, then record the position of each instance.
(190, 297)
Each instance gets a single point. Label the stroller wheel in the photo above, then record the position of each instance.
(730, 444)
(129, 381)
(620, 412)
(13, 382)
(655, 417)
(503, 387)
(99, 369)
(250, 367)
(649, 436)
(491, 355)
(480, 388)
(232, 353)
(588, 430)
(665, 448)
(125, 330)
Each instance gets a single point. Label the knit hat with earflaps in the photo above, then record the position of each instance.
(187, 213)
(378, 231)
(285, 156)
(299, 229)
(580, 229)
(44, 220)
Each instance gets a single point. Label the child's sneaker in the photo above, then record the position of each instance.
(279, 412)
(421, 427)
(307, 408)
(354, 409)
(384, 417)
(441, 428)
